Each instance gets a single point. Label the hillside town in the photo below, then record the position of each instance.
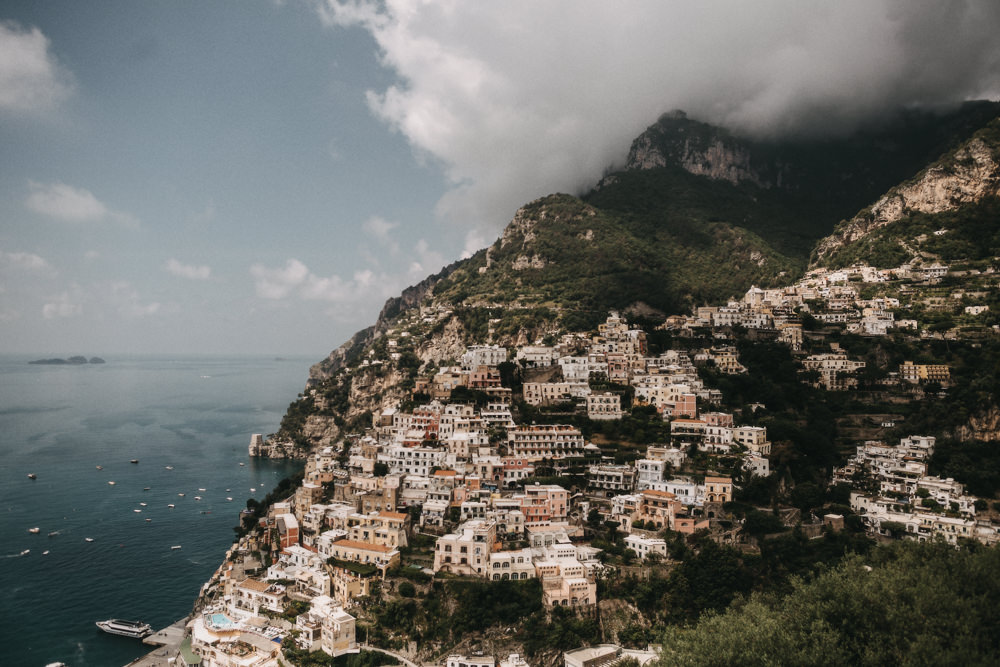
(458, 480)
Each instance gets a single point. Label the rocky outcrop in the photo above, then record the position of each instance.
(697, 148)
(964, 178)
(984, 426)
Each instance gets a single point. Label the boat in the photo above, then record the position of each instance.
(111, 483)
(133, 460)
(229, 498)
(32, 475)
(171, 505)
(88, 539)
(145, 488)
(148, 520)
(176, 546)
(242, 464)
(53, 533)
(137, 511)
(197, 497)
(35, 530)
(169, 467)
(180, 494)
(100, 467)
(202, 489)
(142, 504)
(45, 553)
(26, 552)
(117, 626)
(253, 490)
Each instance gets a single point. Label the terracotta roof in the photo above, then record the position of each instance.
(254, 585)
(658, 494)
(362, 546)
(398, 516)
(718, 480)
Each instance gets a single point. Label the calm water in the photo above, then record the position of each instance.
(60, 423)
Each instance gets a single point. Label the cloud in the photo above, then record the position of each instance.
(191, 272)
(295, 281)
(69, 204)
(62, 306)
(520, 99)
(126, 300)
(379, 228)
(24, 262)
(31, 79)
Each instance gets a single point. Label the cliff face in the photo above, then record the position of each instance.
(963, 178)
(699, 149)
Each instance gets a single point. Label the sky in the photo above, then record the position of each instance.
(258, 176)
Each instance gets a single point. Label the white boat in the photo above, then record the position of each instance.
(181, 495)
(201, 489)
(176, 546)
(169, 467)
(26, 552)
(242, 464)
(45, 553)
(88, 539)
(229, 498)
(100, 467)
(171, 505)
(142, 504)
(252, 490)
(197, 497)
(34, 531)
(111, 483)
(136, 511)
(117, 626)
(148, 520)
(32, 475)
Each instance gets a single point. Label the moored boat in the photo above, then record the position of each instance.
(117, 626)
(34, 531)
(32, 475)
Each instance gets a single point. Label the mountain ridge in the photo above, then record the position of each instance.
(667, 233)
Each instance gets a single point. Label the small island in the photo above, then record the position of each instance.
(72, 361)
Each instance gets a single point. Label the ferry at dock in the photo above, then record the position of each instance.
(117, 626)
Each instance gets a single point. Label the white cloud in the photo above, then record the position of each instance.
(62, 306)
(189, 271)
(31, 79)
(127, 301)
(519, 99)
(279, 283)
(24, 261)
(296, 281)
(378, 227)
(381, 230)
(69, 204)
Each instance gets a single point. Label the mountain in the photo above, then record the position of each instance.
(696, 216)
(948, 212)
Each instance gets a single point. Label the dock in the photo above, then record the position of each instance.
(168, 640)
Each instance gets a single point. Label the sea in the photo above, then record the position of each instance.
(105, 545)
